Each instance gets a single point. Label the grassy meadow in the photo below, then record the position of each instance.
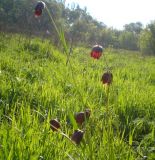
(36, 86)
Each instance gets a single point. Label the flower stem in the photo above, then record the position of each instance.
(59, 32)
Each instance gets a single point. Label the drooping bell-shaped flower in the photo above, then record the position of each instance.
(96, 52)
(77, 136)
(39, 7)
(80, 117)
(55, 124)
(107, 78)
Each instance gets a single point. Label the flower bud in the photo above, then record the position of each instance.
(77, 136)
(54, 124)
(107, 78)
(82, 116)
(96, 52)
(39, 7)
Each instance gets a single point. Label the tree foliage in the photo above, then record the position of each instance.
(147, 40)
(133, 27)
(128, 40)
(78, 25)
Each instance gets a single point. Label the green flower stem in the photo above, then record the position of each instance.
(59, 32)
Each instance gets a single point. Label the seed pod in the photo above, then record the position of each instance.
(96, 52)
(54, 124)
(77, 136)
(107, 78)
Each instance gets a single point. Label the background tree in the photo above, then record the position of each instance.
(128, 40)
(134, 27)
(147, 40)
(78, 25)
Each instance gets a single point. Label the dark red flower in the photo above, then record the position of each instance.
(77, 136)
(54, 124)
(39, 7)
(96, 55)
(96, 52)
(82, 116)
(107, 78)
(38, 12)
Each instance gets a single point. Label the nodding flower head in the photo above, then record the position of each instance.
(54, 124)
(107, 78)
(39, 7)
(96, 51)
(77, 136)
(81, 117)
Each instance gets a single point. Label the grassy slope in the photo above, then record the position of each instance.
(36, 85)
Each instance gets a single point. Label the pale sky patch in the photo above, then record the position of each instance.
(117, 13)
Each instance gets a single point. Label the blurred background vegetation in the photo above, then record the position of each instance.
(79, 26)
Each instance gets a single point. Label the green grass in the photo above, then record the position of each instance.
(36, 85)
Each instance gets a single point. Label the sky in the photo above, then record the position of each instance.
(117, 13)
